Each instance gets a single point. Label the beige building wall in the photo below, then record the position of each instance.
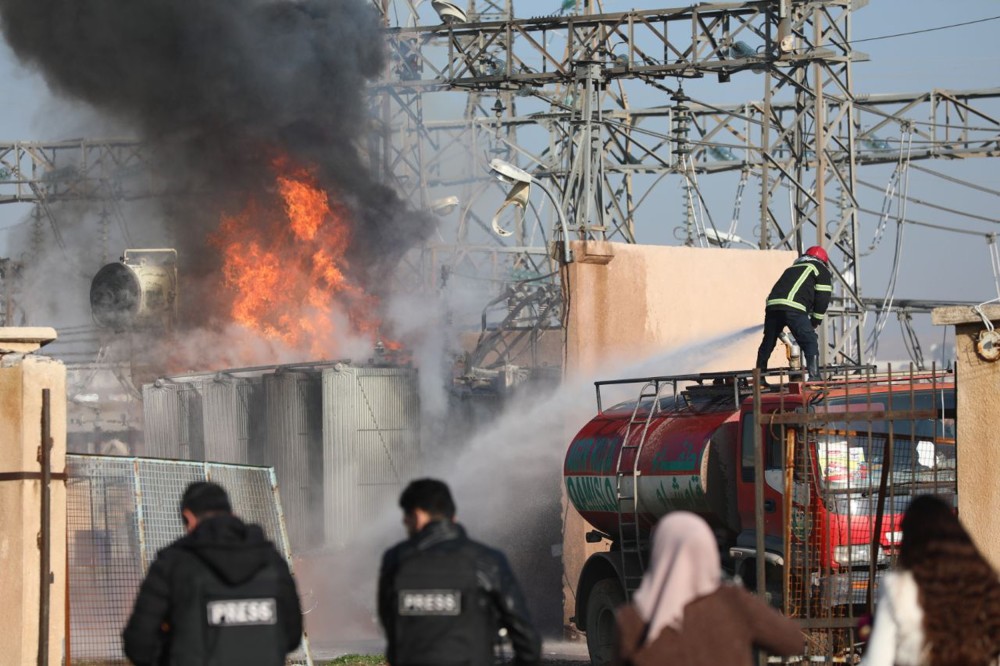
(22, 378)
(978, 416)
(632, 302)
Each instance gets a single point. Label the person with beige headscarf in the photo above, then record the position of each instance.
(683, 614)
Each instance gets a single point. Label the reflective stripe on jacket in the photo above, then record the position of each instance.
(805, 286)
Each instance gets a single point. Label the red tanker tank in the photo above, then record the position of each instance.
(686, 460)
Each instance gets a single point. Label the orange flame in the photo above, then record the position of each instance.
(286, 267)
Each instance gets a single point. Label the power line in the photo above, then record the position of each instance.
(957, 181)
(929, 225)
(918, 32)
(940, 227)
(921, 202)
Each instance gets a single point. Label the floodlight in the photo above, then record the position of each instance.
(722, 238)
(509, 173)
(449, 12)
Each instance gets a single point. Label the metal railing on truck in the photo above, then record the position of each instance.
(865, 444)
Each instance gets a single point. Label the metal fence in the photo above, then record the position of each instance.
(853, 460)
(119, 513)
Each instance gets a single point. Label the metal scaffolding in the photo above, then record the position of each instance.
(807, 135)
(595, 104)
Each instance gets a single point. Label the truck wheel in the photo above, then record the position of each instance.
(606, 596)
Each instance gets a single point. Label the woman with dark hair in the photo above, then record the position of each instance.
(682, 613)
(942, 607)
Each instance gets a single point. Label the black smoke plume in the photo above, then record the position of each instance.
(216, 88)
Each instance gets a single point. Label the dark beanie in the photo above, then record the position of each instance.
(203, 497)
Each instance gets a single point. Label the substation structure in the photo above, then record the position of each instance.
(557, 95)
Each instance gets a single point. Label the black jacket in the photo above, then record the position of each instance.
(220, 596)
(442, 598)
(805, 286)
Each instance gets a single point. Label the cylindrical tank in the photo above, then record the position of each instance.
(293, 445)
(170, 420)
(687, 461)
(371, 443)
(138, 292)
(230, 407)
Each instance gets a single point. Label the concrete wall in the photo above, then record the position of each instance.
(22, 379)
(632, 302)
(978, 421)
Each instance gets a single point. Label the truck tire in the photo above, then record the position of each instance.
(605, 597)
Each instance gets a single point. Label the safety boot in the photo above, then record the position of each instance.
(812, 369)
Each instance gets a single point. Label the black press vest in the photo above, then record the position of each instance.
(443, 616)
(215, 624)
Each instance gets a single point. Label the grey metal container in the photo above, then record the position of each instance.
(166, 432)
(371, 444)
(292, 443)
(202, 418)
(229, 406)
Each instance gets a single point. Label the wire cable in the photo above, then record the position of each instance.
(890, 294)
(737, 205)
(994, 261)
(924, 30)
(929, 225)
(890, 193)
(921, 202)
(957, 181)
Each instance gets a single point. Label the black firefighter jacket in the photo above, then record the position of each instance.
(805, 286)
(220, 596)
(442, 598)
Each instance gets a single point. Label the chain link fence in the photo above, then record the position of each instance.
(119, 513)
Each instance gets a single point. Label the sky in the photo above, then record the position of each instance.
(934, 265)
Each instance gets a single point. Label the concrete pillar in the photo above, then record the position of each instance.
(23, 376)
(978, 416)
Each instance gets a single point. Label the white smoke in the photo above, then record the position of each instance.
(507, 482)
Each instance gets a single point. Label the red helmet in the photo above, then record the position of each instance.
(819, 253)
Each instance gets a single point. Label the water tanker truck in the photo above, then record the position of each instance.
(804, 484)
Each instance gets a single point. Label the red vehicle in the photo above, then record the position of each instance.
(852, 451)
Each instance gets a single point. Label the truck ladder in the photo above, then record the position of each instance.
(629, 539)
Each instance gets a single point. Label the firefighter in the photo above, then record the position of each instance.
(222, 594)
(798, 301)
(442, 598)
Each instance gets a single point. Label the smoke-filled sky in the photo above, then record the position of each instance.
(151, 49)
(220, 89)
